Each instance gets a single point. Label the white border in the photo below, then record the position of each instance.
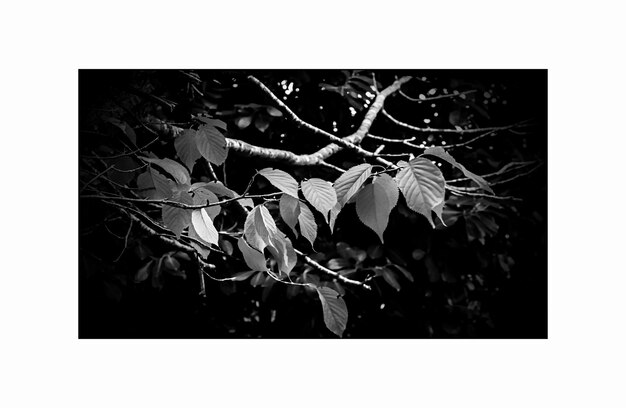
(44, 43)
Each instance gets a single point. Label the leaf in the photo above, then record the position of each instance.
(253, 258)
(351, 181)
(418, 254)
(274, 112)
(261, 123)
(308, 227)
(261, 232)
(348, 252)
(332, 216)
(289, 208)
(203, 250)
(143, 272)
(258, 279)
(320, 193)
(124, 127)
(216, 187)
(243, 122)
(282, 250)
(407, 274)
(422, 185)
(338, 263)
(164, 187)
(375, 202)
(203, 226)
(247, 202)
(211, 144)
(259, 227)
(212, 122)
(390, 278)
(186, 148)
(281, 180)
(177, 219)
(202, 196)
(439, 152)
(334, 309)
(174, 169)
(438, 210)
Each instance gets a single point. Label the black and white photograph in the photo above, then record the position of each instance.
(346, 203)
(324, 204)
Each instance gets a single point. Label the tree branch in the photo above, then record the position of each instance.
(456, 131)
(329, 272)
(176, 203)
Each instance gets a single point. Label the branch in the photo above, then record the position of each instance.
(327, 271)
(350, 141)
(457, 131)
(176, 203)
(433, 98)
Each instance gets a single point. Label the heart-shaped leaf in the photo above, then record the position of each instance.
(375, 202)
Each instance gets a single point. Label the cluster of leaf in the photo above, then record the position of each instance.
(374, 194)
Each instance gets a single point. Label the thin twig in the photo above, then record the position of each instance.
(130, 226)
(434, 98)
(117, 156)
(176, 203)
(332, 273)
(96, 178)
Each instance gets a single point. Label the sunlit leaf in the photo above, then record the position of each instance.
(174, 169)
(216, 187)
(439, 152)
(351, 181)
(320, 193)
(259, 227)
(332, 216)
(375, 202)
(253, 258)
(282, 250)
(211, 144)
(289, 211)
(281, 180)
(186, 147)
(203, 226)
(422, 185)
(203, 196)
(334, 309)
(177, 219)
(308, 227)
(164, 187)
